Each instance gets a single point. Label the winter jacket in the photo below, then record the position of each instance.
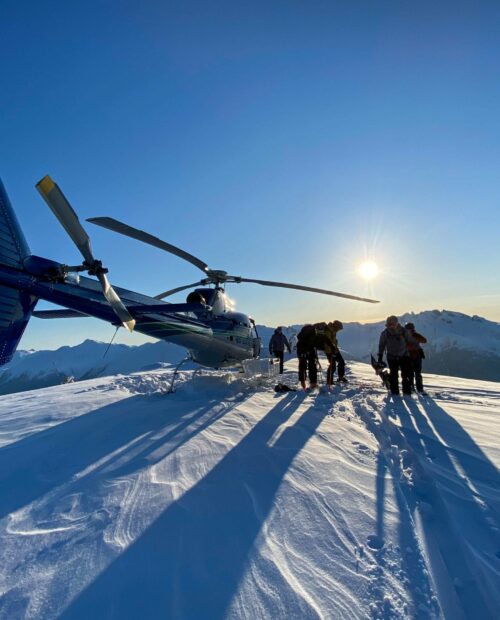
(393, 340)
(278, 342)
(331, 346)
(413, 344)
(315, 336)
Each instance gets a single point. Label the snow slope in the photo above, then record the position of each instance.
(227, 500)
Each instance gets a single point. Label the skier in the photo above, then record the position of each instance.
(416, 353)
(277, 346)
(333, 354)
(394, 340)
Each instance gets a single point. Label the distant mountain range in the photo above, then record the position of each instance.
(31, 370)
(458, 345)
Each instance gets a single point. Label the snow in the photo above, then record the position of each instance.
(227, 500)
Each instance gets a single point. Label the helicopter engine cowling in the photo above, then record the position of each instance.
(214, 297)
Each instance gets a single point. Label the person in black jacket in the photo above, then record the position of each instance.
(394, 340)
(306, 352)
(309, 339)
(277, 346)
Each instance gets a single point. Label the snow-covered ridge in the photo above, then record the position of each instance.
(37, 369)
(459, 345)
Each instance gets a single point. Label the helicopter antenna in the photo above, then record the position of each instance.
(111, 342)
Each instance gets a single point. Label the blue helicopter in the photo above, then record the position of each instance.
(206, 325)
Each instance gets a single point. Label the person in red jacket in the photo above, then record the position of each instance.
(416, 353)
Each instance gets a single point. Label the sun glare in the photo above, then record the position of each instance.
(368, 270)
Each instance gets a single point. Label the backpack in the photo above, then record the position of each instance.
(305, 333)
(312, 335)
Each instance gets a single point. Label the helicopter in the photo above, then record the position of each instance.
(206, 325)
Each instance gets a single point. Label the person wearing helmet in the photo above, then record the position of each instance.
(393, 341)
(416, 354)
(332, 352)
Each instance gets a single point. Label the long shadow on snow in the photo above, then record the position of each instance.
(126, 431)
(474, 462)
(431, 443)
(189, 563)
(417, 581)
(428, 445)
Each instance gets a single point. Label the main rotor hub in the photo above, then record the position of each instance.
(217, 275)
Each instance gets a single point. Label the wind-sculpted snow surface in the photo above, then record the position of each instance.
(227, 500)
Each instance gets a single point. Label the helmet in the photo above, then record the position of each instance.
(410, 326)
(337, 325)
(391, 320)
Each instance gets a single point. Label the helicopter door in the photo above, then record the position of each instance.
(256, 340)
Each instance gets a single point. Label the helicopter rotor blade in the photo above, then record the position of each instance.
(115, 302)
(129, 231)
(64, 212)
(179, 288)
(305, 288)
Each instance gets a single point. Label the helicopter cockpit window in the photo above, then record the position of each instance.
(195, 297)
(206, 293)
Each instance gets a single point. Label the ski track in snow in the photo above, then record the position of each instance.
(226, 500)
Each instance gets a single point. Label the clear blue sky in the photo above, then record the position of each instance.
(276, 140)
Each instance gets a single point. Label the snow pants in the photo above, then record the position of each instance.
(416, 373)
(396, 364)
(307, 366)
(333, 360)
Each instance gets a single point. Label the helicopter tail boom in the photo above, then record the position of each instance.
(16, 305)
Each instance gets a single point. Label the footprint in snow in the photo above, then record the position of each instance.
(361, 447)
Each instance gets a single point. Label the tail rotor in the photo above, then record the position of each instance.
(62, 209)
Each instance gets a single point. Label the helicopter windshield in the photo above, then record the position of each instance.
(202, 295)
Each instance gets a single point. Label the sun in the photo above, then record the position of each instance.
(368, 270)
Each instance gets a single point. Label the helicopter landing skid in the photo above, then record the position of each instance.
(171, 389)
